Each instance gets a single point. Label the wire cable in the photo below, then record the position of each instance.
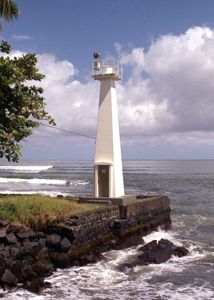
(68, 131)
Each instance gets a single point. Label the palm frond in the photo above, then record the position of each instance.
(8, 10)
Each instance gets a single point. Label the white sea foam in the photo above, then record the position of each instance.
(39, 181)
(25, 169)
(162, 234)
(33, 181)
(187, 292)
(103, 281)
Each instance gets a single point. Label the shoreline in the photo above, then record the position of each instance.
(28, 256)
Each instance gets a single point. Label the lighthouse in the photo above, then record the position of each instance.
(108, 171)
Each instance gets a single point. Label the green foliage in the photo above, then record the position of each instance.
(30, 210)
(21, 105)
(8, 10)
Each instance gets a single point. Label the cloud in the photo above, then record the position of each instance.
(21, 37)
(170, 87)
(177, 94)
(73, 104)
(168, 96)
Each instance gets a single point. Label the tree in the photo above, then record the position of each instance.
(22, 105)
(8, 10)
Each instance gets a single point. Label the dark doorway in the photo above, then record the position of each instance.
(103, 180)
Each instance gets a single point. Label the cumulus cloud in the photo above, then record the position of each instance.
(170, 89)
(73, 104)
(178, 89)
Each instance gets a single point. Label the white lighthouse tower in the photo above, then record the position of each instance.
(108, 172)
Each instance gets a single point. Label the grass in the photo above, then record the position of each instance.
(36, 211)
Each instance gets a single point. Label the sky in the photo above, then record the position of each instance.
(166, 99)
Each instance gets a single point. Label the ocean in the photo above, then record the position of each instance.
(190, 186)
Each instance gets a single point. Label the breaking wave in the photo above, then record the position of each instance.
(38, 181)
(25, 169)
(103, 281)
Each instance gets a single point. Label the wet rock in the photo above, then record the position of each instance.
(87, 259)
(27, 272)
(90, 258)
(75, 263)
(34, 285)
(42, 267)
(60, 260)
(9, 278)
(180, 251)
(155, 253)
(159, 252)
(25, 234)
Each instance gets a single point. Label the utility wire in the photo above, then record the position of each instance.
(68, 131)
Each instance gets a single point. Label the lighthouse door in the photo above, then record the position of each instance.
(103, 180)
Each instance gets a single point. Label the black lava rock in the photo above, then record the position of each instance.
(155, 253)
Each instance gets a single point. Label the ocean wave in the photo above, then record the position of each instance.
(103, 281)
(38, 181)
(25, 169)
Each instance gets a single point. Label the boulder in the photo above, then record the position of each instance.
(62, 230)
(25, 234)
(53, 241)
(155, 253)
(9, 278)
(180, 251)
(159, 252)
(65, 244)
(28, 246)
(11, 238)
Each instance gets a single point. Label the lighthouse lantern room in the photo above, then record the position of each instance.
(108, 172)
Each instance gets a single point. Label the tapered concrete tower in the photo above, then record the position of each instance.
(108, 173)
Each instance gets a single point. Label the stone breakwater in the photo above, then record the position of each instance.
(27, 257)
